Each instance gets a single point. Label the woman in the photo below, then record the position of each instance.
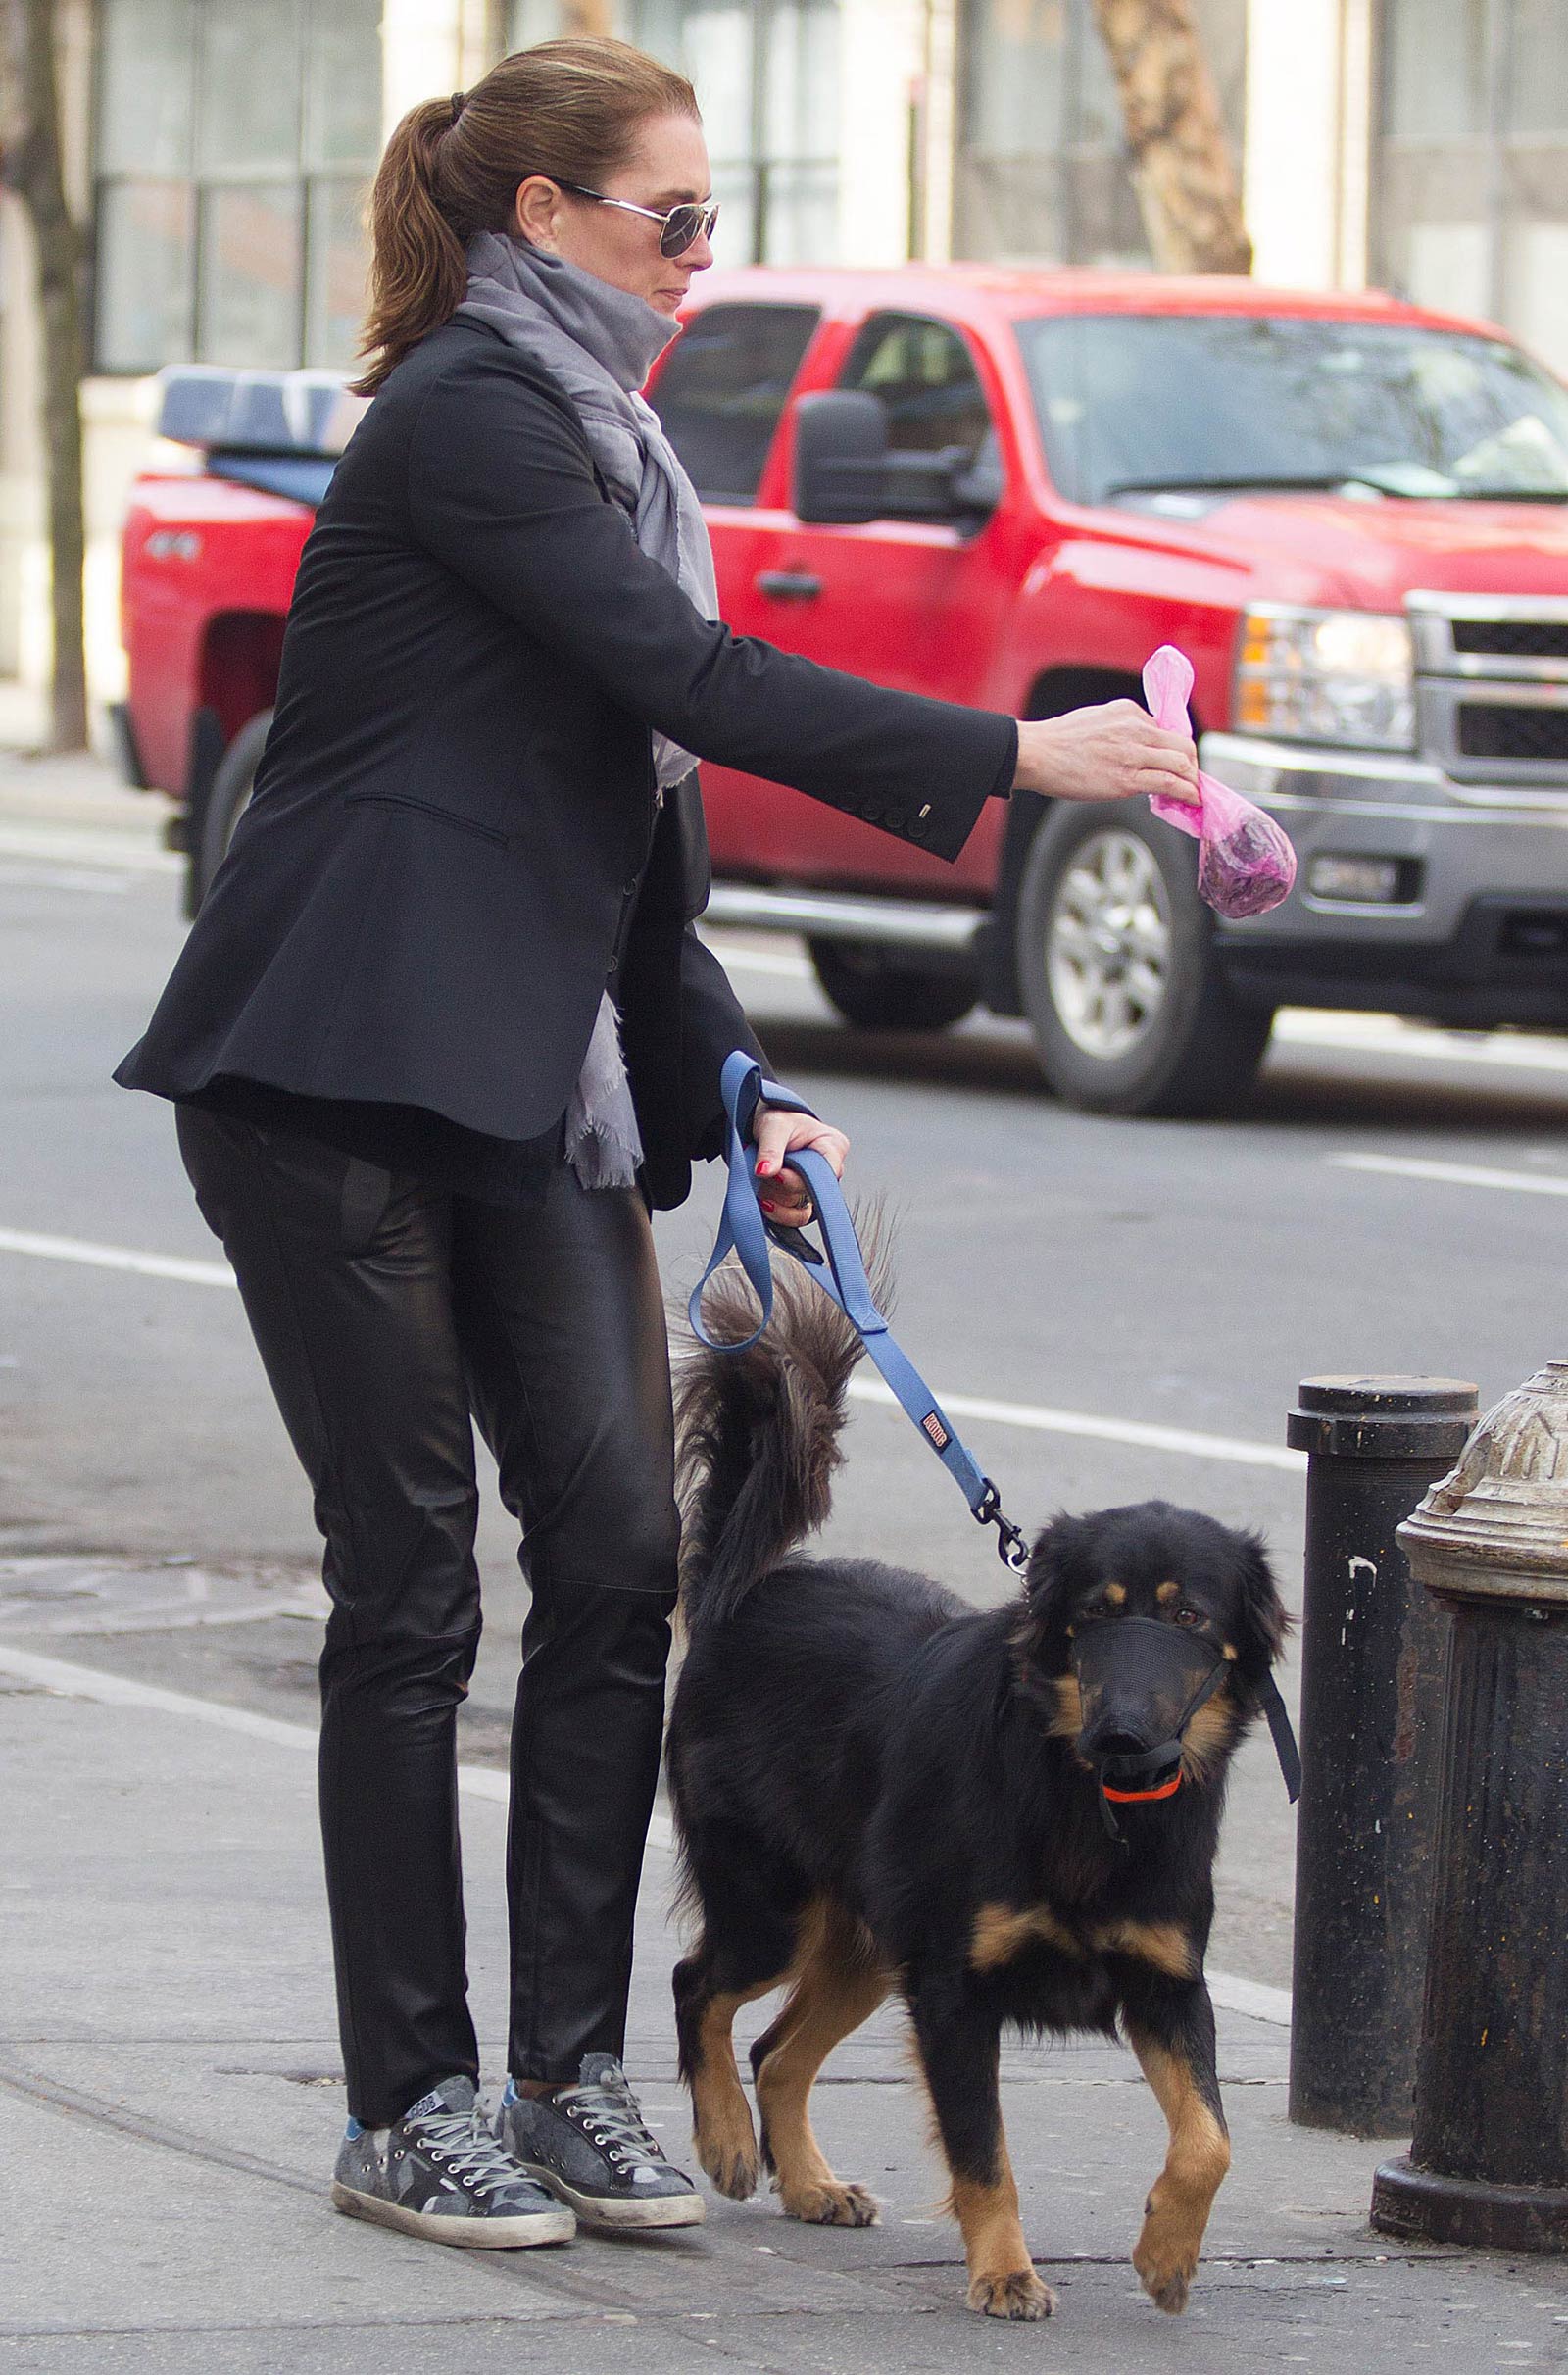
(467, 878)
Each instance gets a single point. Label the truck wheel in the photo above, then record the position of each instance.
(1118, 968)
(881, 990)
(227, 802)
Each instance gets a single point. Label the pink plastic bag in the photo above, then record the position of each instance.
(1245, 864)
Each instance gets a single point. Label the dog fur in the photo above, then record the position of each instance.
(881, 1791)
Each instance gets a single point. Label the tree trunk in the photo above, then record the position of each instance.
(34, 168)
(585, 15)
(1182, 171)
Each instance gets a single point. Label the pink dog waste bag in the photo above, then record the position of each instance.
(1245, 864)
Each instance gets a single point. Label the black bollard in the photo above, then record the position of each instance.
(1372, 1658)
(1488, 2161)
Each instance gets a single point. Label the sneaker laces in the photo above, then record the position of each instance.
(613, 2111)
(465, 2144)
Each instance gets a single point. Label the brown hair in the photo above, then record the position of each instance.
(569, 109)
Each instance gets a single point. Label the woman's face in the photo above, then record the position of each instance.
(668, 166)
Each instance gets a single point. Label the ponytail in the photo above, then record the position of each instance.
(569, 109)
(418, 272)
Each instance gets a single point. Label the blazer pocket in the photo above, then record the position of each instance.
(426, 808)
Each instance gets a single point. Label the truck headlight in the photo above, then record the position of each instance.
(1326, 676)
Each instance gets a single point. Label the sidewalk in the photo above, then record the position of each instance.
(77, 804)
(170, 2102)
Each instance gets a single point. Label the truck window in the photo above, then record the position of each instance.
(1173, 408)
(923, 373)
(720, 394)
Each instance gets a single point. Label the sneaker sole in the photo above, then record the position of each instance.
(621, 2217)
(467, 2234)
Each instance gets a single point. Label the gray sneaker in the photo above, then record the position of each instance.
(589, 2145)
(439, 2172)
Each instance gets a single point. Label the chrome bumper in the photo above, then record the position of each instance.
(1470, 840)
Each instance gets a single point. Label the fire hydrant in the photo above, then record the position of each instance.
(1488, 2160)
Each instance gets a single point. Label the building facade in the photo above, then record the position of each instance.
(222, 151)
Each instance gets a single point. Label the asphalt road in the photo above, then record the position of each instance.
(1099, 1277)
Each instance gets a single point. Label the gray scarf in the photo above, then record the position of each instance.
(599, 343)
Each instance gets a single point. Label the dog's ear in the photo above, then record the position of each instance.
(1057, 1572)
(1262, 1621)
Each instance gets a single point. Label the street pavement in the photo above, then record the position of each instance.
(170, 2099)
(1129, 1307)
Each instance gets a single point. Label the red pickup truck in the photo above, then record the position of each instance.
(1009, 488)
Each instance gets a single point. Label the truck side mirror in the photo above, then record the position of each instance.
(841, 458)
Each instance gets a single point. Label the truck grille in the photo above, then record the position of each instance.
(1492, 690)
(1512, 638)
(1490, 729)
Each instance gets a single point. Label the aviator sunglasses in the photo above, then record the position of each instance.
(679, 229)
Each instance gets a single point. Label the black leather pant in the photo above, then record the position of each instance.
(385, 1311)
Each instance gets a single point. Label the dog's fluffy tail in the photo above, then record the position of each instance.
(757, 1431)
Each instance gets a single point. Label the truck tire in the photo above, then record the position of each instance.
(1119, 974)
(226, 803)
(886, 990)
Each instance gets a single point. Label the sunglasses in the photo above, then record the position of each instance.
(679, 229)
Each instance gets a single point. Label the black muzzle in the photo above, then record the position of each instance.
(1140, 1684)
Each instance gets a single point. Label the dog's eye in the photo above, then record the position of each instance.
(1190, 1616)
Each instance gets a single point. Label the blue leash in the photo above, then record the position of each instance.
(840, 1271)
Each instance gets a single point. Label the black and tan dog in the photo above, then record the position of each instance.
(879, 1790)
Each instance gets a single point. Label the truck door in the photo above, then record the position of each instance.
(911, 601)
(720, 396)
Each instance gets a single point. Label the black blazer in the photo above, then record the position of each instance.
(453, 842)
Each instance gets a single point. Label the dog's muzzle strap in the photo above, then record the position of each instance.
(1284, 1738)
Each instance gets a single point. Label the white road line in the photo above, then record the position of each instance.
(1380, 1035)
(1148, 1438)
(82, 846)
(1294, 1026)
(1452, 1174)
(115, 1257)
(1038, 1418)
(759, 961)
(119, 1691)
(1231, 1994)
(91, 880)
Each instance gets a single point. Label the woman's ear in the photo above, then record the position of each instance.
(1263, 1624)
(533, 211)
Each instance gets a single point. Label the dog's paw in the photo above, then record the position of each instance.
(1017, 2293)
(730, 2163)
(1166, 2263)
(830, 2205)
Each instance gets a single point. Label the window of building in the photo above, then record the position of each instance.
(235, 140)
(925, 379)
(1471, 184)
(1041, 171)
(765, 73)
(723, 388)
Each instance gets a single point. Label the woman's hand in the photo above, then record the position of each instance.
(775, 1133)
(1110, 751)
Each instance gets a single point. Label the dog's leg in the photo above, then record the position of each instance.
(751, 1928)
(721, 2117)
(836, 1988)
(1171, 2030)
(960, 2053)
